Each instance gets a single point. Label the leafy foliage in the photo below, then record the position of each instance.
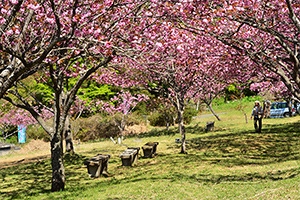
(161, 118)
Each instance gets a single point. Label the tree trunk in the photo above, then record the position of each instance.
(213, 112)
(246, 117)
(198, 103)
(290, 105)
(58, 169)
(181, 130)
(122, 134)
(167, 118)
(68, 136)
(174, 121)
(123, 124)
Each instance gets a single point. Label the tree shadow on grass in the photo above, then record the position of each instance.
(25, 179)
(156, 132)
(182, 163)
(196, 129)
(32, 179)
(276, 143)
(218, 178)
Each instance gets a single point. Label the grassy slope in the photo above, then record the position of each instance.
(232, 162)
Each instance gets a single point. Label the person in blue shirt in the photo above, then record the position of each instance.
(257, 114)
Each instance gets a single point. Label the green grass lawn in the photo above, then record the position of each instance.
(232, 162)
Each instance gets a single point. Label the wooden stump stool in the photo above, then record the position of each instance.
(130, 156)
(149, 149)
(209, 126)
(97, 165)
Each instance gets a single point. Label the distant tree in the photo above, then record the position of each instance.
(164, 107)
(123, 103)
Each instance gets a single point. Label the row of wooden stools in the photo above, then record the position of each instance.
(97, 165)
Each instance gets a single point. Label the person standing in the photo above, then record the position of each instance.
(257, 114)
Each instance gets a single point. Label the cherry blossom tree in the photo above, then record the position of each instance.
(11, 116)
(87, 35)
(210, 85)
(172, 73)
(29, 32)
(174, 82)
(264, 31)
(123, 103)
(179, 64)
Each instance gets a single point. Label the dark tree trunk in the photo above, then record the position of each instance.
(290, 105)
(167, 117)
(68, 136)
(181, 130)
(213, 112)
(58, 169)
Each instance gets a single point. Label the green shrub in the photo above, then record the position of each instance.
(135, 119)
(160, 119)
(12, 139)
(99, 126)
(95, 127)
(36, 132)
(252, 99)
(92, 128)
(188, 115)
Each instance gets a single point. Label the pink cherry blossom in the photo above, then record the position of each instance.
(14, 1)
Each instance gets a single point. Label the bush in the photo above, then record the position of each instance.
(98, 126)
(94, 128)
(160, 119)
(135, 119)
(36, 132)
(252, 99)
(85, 129)
(188, 115)
(12, 139)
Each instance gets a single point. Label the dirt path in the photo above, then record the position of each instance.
(34, 151)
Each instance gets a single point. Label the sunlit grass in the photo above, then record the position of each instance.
(232, 162)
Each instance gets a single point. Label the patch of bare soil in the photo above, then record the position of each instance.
(35, 145)
(35, 150)
(135, 129)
